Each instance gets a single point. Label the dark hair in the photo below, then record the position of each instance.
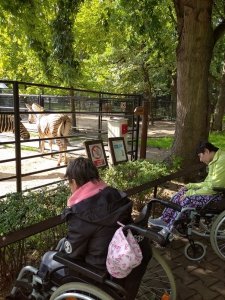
(206, 145)
(82, 170)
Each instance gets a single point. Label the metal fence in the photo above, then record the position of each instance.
(162, 108)
(89, 111)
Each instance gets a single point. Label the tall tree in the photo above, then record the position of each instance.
(63, 40)
(194, 53)
(46, 30)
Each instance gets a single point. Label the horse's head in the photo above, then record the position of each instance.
(32, 117)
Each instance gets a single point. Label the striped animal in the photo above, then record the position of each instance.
(51, 126)
(7, 124)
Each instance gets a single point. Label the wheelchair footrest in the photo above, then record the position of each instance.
(81, 267)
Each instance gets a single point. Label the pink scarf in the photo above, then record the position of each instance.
(85, 191)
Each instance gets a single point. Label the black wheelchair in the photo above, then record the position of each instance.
(207, 222)
(85, 282)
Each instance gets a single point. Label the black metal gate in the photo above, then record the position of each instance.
(90, 112)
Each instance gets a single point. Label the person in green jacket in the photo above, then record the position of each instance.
(197, 194)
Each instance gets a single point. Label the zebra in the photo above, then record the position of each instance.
(7, 124)
(51, 126)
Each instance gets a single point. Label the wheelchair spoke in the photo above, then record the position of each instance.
(217, 236)
(157, 281)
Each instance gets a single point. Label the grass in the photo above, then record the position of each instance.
(161, 143)
(28, 148)
(218, 139)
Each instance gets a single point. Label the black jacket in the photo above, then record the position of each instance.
(92, 223)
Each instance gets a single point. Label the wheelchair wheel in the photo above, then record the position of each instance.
(195, 251)
(217, 235)
(79, 291)
(158, 280)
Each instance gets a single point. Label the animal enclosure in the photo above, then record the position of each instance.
(22, 166)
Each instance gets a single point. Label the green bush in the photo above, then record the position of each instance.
(135, 173)
(19, 210)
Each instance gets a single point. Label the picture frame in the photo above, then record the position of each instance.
(117, 148)
(96, 152)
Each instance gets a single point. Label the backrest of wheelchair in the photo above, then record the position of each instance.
(215, 207)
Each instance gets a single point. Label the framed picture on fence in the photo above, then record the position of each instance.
(96, 152)
(118, 150)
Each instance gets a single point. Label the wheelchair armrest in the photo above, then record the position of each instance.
(167, 204)
(81, 267)
(219, 189)
(142, 219)
(148, 233)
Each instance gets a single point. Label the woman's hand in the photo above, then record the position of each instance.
(184, 189)
(182, 198)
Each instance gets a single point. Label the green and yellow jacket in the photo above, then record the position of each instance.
(215, 177)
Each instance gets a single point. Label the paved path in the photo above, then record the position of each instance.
(204, 280)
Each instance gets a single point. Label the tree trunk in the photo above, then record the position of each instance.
(220, 105)
(148, 91)
(173, 90)
(194, 54)
(73, 109)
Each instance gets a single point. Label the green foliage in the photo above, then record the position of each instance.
(102, 45)
(135, 173)
(218, 139)
(19, 210)
(63, 40)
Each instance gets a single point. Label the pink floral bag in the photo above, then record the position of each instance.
(124, 254)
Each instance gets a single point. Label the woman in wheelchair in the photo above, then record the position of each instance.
(92, 215)
(196, 194)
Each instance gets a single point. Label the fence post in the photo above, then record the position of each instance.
(144, 130)
(17, 135)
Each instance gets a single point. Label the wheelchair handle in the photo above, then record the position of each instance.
(142, 219)
(146, 232)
